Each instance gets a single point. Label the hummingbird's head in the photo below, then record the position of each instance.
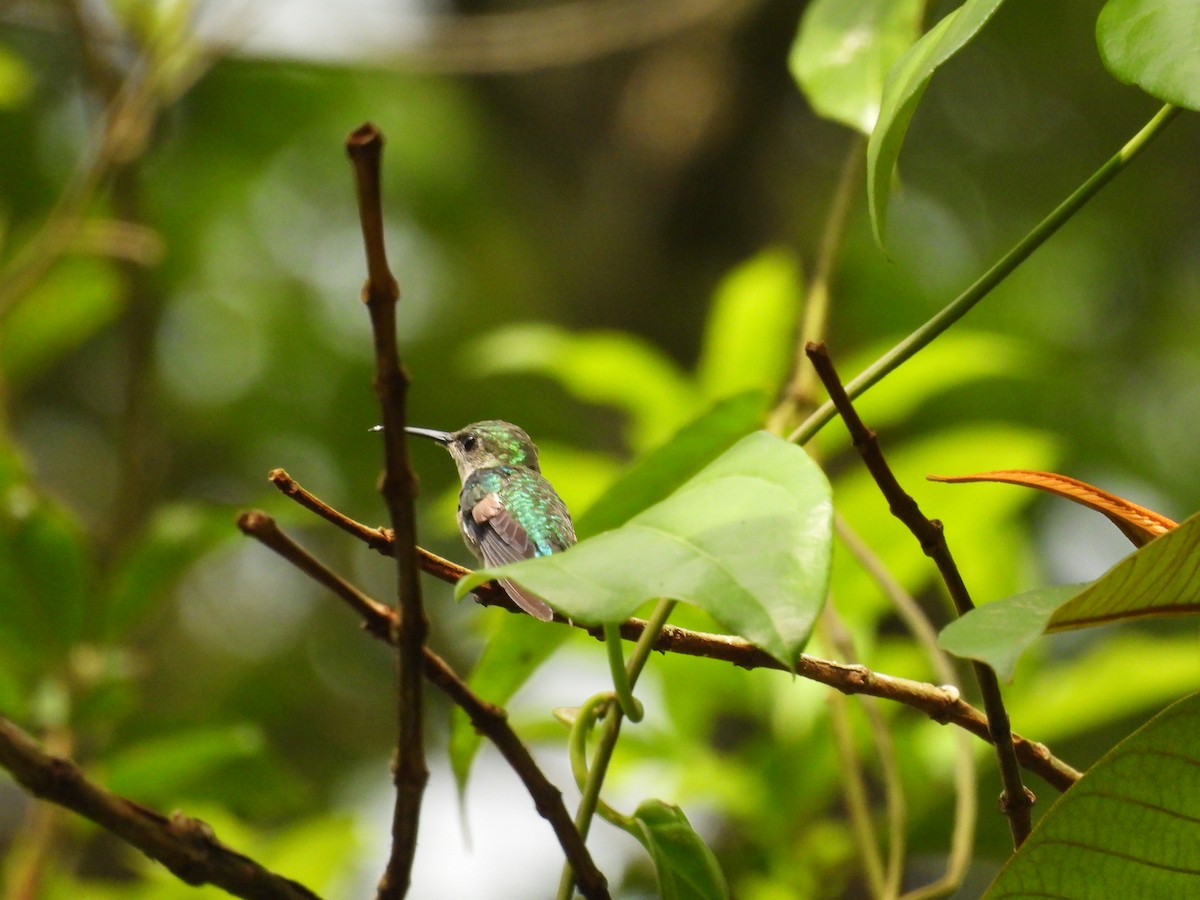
(484, 445)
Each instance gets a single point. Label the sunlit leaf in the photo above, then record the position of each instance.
(16, 81)
(1092, 689)
(606, 367)
(902, 93)
(955, 359)
(844, 51)
(159, 770)
(46, 571)
(1153, 44)
(76, 299)
(173, 539)
(982, 527)
(685, 866)
(1157, 580)
(1129, 828)
(750, 335)
(747, 539)
(1139, 524)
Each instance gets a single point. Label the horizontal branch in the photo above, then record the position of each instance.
(942, 704)
(186, 846)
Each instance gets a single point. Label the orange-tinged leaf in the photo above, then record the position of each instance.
(1137, 523)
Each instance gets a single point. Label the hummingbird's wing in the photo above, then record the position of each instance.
(501, 539)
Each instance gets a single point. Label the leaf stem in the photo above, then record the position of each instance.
(608, 738)
(964, 302)
(630, 705)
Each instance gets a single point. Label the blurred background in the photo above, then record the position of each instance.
(568, 186)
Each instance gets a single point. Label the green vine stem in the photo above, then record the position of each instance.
(608, 737)
(630, 705)
(963, 303)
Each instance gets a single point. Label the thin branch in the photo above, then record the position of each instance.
(489, 719)
(942, 704)
(1017, 800)
(186, 846)
(966, 806)
(380, 294)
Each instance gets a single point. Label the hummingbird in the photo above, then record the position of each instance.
(507, 511)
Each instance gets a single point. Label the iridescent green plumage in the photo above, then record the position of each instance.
(506, 510)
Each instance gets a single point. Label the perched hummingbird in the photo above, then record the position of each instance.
(506, 510)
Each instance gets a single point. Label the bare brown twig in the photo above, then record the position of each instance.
(487, 718)
(186, 846)
(380, 294)
(942, 704)
(1017, 800)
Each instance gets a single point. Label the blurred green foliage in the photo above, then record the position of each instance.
(602, 250)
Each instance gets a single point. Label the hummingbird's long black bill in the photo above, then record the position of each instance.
(442, 437)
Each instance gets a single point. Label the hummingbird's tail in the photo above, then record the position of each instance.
(528, 601)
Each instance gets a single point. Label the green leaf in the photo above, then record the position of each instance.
(605, 367)
(747, 539)
(46, 571)
(955, 359)
(1155, 45)
(902, 93)
(514, 651)
(176, 537)
(998, 633)
(1129, 828)
(1156, 580)
(77, 298)
(16, 81)
(844, 51)
(160, 769)
(983, 528)
(750, 335)
(655, 476)
(684, 864)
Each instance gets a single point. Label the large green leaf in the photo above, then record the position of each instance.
(607, 367)
(1129, 828)
(844, 51)
(1157, 580)
(747, 539)
(750, 333)
(685, 866)
(1154, 44)
(902, 93)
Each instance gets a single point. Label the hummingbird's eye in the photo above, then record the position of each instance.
(468, 442)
